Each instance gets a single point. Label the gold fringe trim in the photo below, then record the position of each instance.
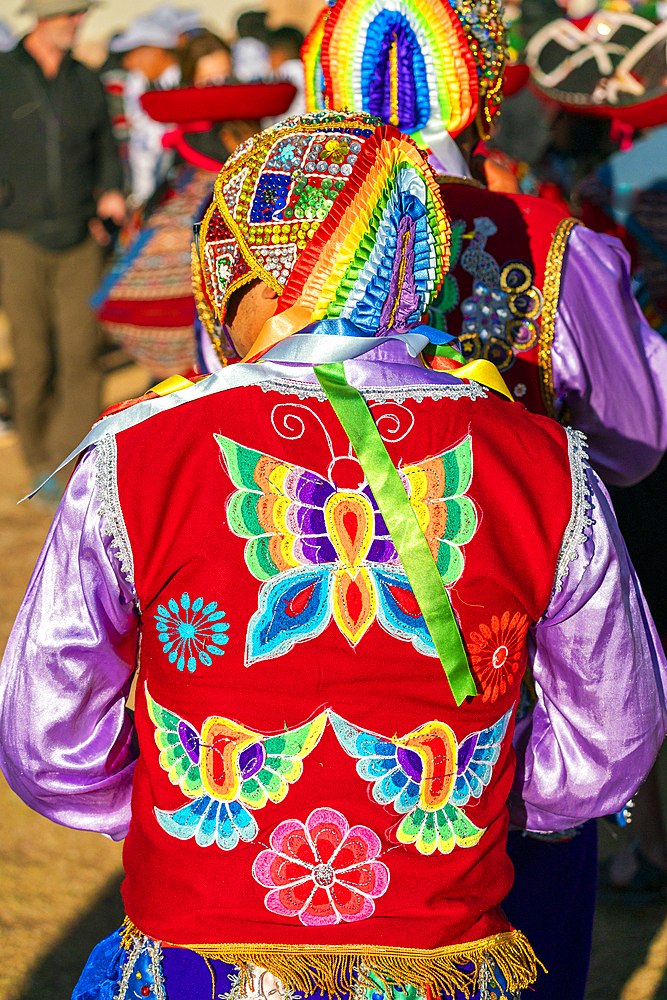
(333, 970)
(551, 291)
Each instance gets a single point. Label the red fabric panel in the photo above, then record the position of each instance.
(525, 229)
(217, 104)
(173, 489)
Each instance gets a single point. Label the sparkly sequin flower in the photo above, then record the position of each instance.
(336, 151)
(322, 871)
(495, 653)
(499, 318)
(191, 632)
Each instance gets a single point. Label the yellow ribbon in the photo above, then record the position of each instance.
(171, 384)
(485, 373)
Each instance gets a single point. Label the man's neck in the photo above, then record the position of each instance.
(47, 55)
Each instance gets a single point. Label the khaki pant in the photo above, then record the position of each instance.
(56, 376)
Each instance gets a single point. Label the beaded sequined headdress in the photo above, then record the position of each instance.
(426, 66)
(339, 214)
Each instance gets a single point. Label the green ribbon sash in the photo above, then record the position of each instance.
(401, 520)
(443, 351)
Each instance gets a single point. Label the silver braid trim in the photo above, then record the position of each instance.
(154, 952)
(110, 509)
(378, 394)
(582, 504)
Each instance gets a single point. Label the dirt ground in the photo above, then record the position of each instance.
(59, 889)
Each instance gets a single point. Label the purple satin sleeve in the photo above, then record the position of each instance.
(65, 736)
(600, 673)
(609, 366)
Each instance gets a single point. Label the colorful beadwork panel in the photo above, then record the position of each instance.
(336, 215)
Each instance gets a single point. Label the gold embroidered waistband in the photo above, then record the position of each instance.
(334, 969)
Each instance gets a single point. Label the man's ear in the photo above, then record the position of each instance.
(268, 292)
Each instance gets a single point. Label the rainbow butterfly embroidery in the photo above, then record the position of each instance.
(325, 554)
(227, 770)
(428, 776)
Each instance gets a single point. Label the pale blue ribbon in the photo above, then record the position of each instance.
(305, 348)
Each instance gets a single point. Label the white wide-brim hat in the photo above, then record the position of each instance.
(55, 8)
(145, 31)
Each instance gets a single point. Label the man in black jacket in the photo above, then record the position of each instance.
(59, 175)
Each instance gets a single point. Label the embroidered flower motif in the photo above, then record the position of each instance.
(322, 871)
(193, 636)
(495, 653)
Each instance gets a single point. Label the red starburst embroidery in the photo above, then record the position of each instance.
(495, 653)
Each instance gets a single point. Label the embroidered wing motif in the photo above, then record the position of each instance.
(426, 776)
(476, 757)
(437, 489)
(180, 746)
(324, 553)
(227, 770)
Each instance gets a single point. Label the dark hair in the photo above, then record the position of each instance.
(202, 44)
(234, 300)
(288, 39)
(252, 24)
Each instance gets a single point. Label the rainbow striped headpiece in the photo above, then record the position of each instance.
(340, 214)
(425, 66)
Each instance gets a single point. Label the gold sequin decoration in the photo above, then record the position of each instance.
(552, 276)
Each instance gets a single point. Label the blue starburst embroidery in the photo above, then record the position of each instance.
(191, 632)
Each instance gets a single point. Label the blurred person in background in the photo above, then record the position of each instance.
(186, 21)
(7, 38)
(205, 59)
(148, 49)
(251, 52)
(285, 58)
(59, 176)
(112, 76)
(627, 195)
(146, 303)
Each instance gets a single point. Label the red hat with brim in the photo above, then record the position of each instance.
(228, 102)
(637, 52)
(516, 78)
(645, 113)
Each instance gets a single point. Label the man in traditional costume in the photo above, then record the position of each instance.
(547, 300)
(332, 562)
(544, 298)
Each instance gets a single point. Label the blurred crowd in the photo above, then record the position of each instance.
(89, 201)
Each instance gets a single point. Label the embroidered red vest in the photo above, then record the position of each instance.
(307, 790)
(501, 295)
